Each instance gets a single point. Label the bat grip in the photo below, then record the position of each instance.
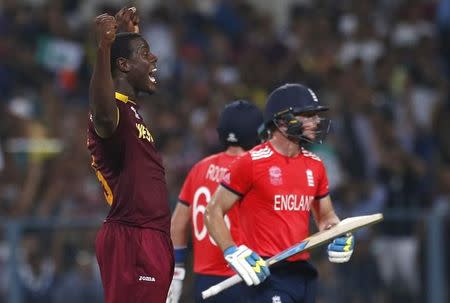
(215, 289)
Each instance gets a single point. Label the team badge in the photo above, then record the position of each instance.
(310, 178)
(275, 175)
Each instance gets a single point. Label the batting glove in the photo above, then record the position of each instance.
(176, 287)
(341, 249)
(247, 264)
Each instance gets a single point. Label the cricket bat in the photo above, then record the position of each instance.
(345, 226)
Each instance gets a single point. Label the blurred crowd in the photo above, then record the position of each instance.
(382, 66)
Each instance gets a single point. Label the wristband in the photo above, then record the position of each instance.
(230, 250)
(180, 254)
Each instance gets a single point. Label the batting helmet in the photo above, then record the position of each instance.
(289, 100)
(238, 124)
(291, 97)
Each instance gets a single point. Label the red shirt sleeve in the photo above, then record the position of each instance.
(240, 175)
(322, 189)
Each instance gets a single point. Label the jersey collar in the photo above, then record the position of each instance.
(124, 98)
(284, 156)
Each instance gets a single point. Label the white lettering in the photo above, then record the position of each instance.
(292, 202)
(202, 197)
(216, 173)
(147, 278)
(277, 202)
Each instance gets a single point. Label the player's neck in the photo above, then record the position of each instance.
(122, 86)
(234, 150)
(284, 146)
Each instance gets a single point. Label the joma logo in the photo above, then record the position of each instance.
(147, 278)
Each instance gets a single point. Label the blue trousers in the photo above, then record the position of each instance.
(289, 282)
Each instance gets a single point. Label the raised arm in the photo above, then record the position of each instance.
(101, 90)
(127, 20)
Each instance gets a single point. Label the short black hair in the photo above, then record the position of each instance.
(121, 48)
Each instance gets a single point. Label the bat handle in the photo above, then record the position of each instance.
(215, 289)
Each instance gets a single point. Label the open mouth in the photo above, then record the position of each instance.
(151, 75)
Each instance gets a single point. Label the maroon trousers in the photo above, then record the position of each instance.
(136, 264)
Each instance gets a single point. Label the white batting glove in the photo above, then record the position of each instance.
(341, 249)
(247, 264)
(176, 287)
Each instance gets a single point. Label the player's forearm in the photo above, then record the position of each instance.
(101, 92)
(326, 218)
(215, 223)
(180, 226)
(328, 221)
(179, 235)
(324, 214)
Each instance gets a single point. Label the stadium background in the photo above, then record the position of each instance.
(382, 66)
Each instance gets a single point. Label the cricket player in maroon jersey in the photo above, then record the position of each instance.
(278, 183)
(133, 247)
(238, 132)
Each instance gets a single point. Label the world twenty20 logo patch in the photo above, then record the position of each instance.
(275, 175)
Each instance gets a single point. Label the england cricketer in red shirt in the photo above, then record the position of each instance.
(277, 185)
(237, 129)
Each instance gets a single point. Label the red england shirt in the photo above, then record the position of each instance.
(199, 186)
(276, 196)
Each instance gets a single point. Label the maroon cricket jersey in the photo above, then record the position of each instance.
(130, 171)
